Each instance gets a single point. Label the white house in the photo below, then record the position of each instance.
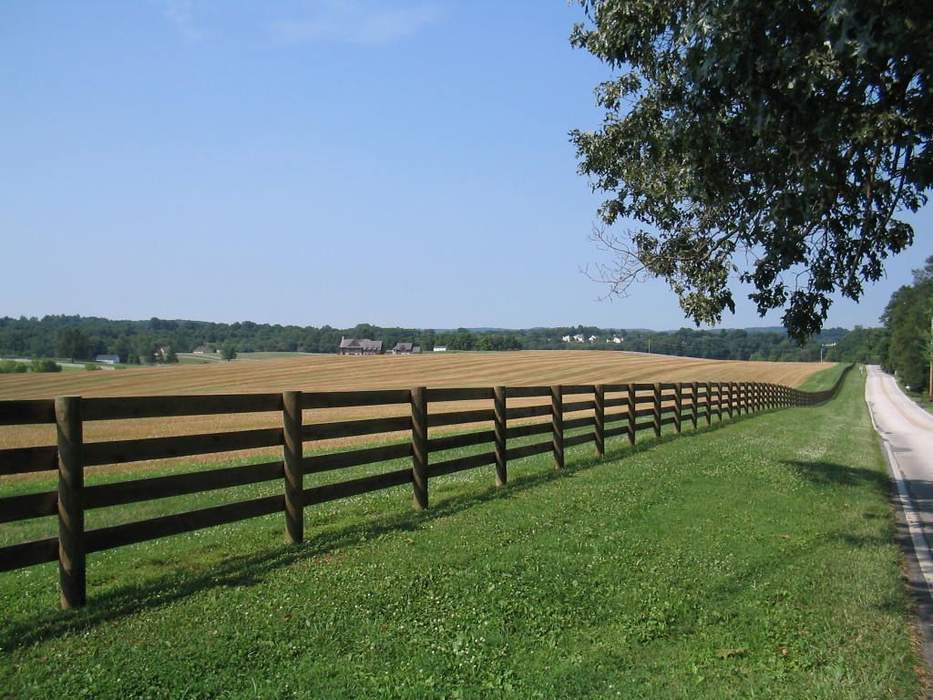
(579, 338)
(565, 338)
(440, 348)
(615, 339)
(593, 339)
(107, 359)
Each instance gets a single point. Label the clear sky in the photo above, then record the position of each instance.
(310, 162)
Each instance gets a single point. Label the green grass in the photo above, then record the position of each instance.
(754, 559)
(825, 378)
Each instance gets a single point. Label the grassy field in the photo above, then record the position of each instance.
(755, 559)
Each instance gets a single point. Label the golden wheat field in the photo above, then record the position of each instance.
(332, 372)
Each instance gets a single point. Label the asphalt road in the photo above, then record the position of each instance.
(906, 432)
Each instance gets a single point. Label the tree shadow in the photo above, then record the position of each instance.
(824, 473)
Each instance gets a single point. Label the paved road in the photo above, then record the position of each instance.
(907, 434)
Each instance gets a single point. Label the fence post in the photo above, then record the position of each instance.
(71, 552)
(709, 403)
(719, 401)
(657, 410)
(599, 398)
(419, 448)
(729, 406)
(693, 404)
(500, 427)
(294, 471)
(678, 403)
(557, 425)
(631, 415)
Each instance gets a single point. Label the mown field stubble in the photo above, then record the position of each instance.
(752, 559)
(334, 373)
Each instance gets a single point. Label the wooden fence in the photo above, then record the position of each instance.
(643, 407)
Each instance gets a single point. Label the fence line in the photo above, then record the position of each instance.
(660, 404)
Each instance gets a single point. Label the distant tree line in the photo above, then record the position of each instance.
(158, 340)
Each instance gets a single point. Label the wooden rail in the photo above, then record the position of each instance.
(616, 410)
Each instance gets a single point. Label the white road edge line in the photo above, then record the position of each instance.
(921, 546)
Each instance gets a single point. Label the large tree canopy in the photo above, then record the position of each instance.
(773, 141)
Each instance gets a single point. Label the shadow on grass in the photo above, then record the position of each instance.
(832, 474)
(252, 569)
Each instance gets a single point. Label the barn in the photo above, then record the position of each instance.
(405, 349)
(359, 346)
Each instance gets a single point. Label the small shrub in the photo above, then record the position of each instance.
(12, 367)
(90, 366)
(39, 365)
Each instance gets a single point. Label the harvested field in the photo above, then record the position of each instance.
(331, 372)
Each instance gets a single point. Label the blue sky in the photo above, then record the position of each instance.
(321, 161)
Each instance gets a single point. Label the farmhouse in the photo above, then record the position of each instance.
(107, 359)
(360, 346)
(440, 348)
(203, 350)
(405, 349)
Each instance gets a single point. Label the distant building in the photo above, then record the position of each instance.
(359, 346)
(617, 339)
(405, 349)
(203, 350)
(579, 338)
(107, 359)
(440, 348)
(566, 338)
(593, 339)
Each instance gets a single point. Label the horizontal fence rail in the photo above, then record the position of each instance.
(602, 411)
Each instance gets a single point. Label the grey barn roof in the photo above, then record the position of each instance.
(362, 343)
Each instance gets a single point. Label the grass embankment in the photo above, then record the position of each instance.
(755, 559)
(921, 398)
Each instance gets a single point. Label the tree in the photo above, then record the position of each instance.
(930, 363)
(72, 343)
(124, 349)
(228, 352)
(907, 320)
(40, 365)
(785, 133)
